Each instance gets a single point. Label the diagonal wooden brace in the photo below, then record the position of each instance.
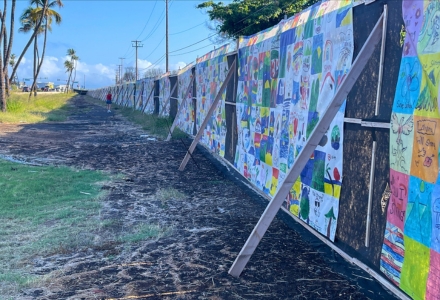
(208, 115)
(315, 137)
(176, 119)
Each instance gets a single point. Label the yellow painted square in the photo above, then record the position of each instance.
(414, 275)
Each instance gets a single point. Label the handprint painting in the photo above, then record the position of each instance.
(288, 75)
(411, 249)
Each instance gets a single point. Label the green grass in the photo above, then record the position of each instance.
(44, 210)
(165, 195)
(45, 107)
(143, 232)
(154, 125)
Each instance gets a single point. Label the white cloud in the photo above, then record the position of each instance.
(94, 76)
(179, 65)
(50, 67)
(143, 64)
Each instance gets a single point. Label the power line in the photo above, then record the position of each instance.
(159, 20)
(155, 63)
(192, 50)
(187, 29)
(156, 47)
(148, 19)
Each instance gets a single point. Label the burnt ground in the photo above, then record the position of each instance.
(207, 225)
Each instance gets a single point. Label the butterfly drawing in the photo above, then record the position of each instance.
(401, 126)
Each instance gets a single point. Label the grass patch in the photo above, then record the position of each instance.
(165, 195)
(157, 126)
(44, 210)
(45, 107)
(143, 232)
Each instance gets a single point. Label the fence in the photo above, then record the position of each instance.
(262, 108)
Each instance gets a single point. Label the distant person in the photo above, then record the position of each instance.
(109, 101)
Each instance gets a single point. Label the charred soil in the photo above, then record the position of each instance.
(205, 217)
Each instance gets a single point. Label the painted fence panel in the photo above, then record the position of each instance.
(211, 71)
(164, 95)
(148, 86)
(186, 118)
(411, 249)
(287, 76)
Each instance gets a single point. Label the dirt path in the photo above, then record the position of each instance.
(207, 224)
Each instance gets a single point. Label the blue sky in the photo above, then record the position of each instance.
(101, 32)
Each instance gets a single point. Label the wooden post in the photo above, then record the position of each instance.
(382, 56)
(370, 194)
(303, 157)
(180, 108)
(148, 99)
(208, 115)
(168, 100)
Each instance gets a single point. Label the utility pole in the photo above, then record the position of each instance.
(122, 68)
(166, 35)
(119, 74)
(136, 45)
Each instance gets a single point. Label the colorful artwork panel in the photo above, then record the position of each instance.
(186, 118)
(414, 154)
(425, 148)
(418, 211)
(164, 95)
(415, 269)
(433, 284)
(393, 252)
(211, 71)
(399, 185)
(287, 76)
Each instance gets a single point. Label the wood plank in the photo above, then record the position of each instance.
(303, 157)
(205, 121)
(382, 57)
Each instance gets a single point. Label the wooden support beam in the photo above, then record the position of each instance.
(168, 99)
(176, 119)
(370, 194)
(303, 157)
(208, 115)
(382, 58)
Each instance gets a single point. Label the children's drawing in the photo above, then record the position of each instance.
(211, 71)
(287, 77)
(411, 248)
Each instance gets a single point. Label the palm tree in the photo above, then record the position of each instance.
(47, 15)
(7, 45)
(12, 64)
(27, 26)
(73, 59)
(38, 19)
(69, 68)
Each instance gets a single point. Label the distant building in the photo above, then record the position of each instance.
(60, 87)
